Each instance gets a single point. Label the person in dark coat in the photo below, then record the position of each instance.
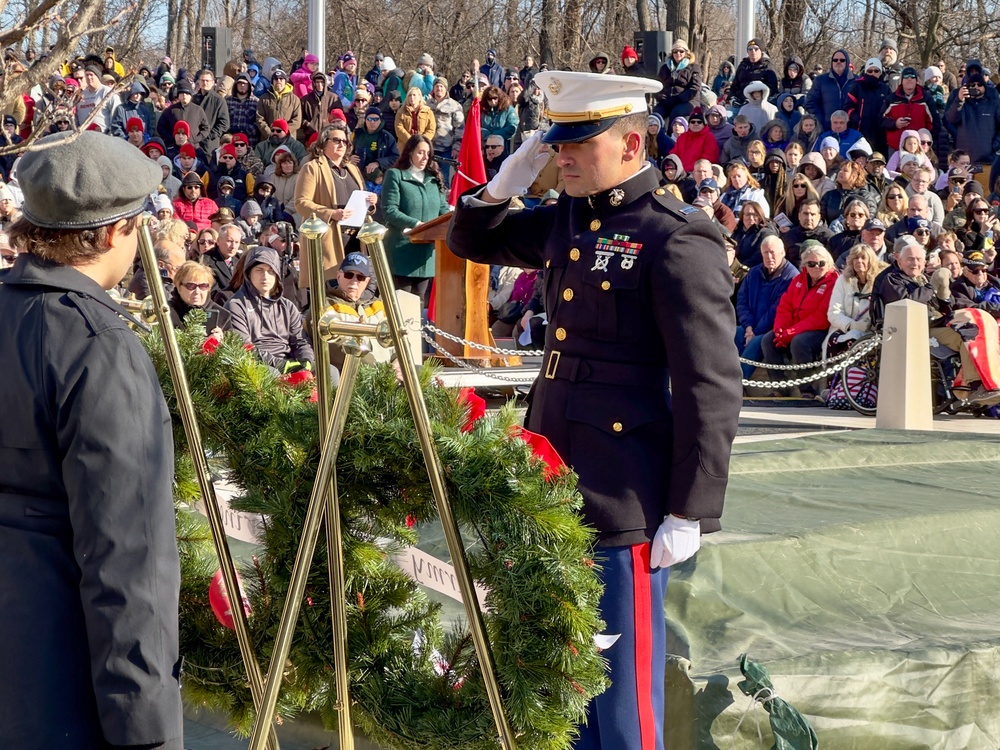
(635, 279)
(867, 97)
(267, 320)
(183, 109)
(681, 79)
(756, 66)
(795, 81)
(216, 112)
(758, 296)
(88, 553)
(829, 91)
(974, 115)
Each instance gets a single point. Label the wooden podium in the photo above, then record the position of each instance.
(460, 298)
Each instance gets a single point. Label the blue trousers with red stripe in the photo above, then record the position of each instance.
(629, 715)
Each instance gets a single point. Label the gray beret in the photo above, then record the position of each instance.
(88, 182)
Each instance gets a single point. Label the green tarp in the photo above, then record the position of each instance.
(862, 570)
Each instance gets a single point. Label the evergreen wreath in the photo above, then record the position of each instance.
(412, 685)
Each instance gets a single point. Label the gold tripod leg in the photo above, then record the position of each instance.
(371, 236)
(313, 231)
(193, 433)
(304, 555)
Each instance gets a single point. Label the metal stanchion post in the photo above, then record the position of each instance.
(193, 433)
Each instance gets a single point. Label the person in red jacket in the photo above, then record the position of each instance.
(801, 323)
(909, 109)
(191, 203)
(696, 143)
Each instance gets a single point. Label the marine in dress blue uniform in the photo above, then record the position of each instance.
(640, 385)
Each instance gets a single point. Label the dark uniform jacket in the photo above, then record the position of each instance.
(637, 292)
(89, 575)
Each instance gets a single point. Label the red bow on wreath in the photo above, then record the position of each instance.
(297, 378)
(542, 449)
(477, 407)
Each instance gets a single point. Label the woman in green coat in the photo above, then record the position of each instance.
(412, 194)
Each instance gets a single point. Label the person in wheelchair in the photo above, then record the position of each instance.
(950, 326)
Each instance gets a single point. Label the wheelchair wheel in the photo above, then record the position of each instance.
(861, 394)
(942, 399)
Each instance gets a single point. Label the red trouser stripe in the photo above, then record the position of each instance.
(643, 645)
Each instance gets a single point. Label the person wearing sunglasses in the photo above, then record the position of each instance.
(323, 188)
(975, 116)
(193, 284)
(908, 109)
(829, 91)
(756, 66)
(801, 322)
(353, 301)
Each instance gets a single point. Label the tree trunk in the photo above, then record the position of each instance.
(548, 34)
(248, 26)
(642, 13)
(679, 20)
(793, 17)
(571, 33)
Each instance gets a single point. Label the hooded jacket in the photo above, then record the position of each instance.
(198, 210)
(301, 79)
(797, 86)
(691, 147)
(251, 232)
(759, 113)
(765, 134)
(243, 112)
(829, 93)
(260, 84)
(823, 184)
(316, 112)
(747, 73)
(921, 111)
(723, 78)
(143, 110)
(791, 119)
(492, 70)
(725, 128)
(272, 325)
(866, 102)
(977, 125)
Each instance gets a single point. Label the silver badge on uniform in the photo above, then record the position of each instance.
(601, 261)
(627, 261)
(616, 197)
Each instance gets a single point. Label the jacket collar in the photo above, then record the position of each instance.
(616, 198)
(30, 270)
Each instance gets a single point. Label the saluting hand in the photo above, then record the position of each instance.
(519, 170)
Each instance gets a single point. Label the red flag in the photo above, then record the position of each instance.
(471, 170)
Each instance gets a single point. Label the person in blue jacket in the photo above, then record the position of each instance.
(829, 91)
(757, 299)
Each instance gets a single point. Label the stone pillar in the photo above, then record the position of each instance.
(904, 388)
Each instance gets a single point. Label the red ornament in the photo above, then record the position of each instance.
(476, 404)
(210, 345)
(542, 449)
(296, 378)
(220, 602)
(410, 521)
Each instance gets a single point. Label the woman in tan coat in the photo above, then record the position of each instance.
(324, 186)
(413, 118)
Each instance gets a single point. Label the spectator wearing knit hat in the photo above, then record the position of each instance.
(192, 204)
(229, 166)
(630, 63)
(136, 132)
(449, 119)
(301, 79)
(182, 137)
(280, 135)
(345, 83)
(423, 77)
(184, 109)
(280, 103)
(888, 53)
(136, 104)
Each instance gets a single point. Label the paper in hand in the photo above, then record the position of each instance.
(357, 204)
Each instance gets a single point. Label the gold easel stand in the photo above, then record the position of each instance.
(324, 502)
(160, 311)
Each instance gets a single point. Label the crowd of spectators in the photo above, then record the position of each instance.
(818, 180)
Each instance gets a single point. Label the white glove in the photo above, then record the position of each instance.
(675, 541)
(520, 169)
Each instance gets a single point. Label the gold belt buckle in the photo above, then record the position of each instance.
(553, 365)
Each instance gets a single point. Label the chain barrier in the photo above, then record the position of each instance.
(831, 365)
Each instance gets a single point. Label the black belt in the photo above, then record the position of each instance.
(559, 366)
